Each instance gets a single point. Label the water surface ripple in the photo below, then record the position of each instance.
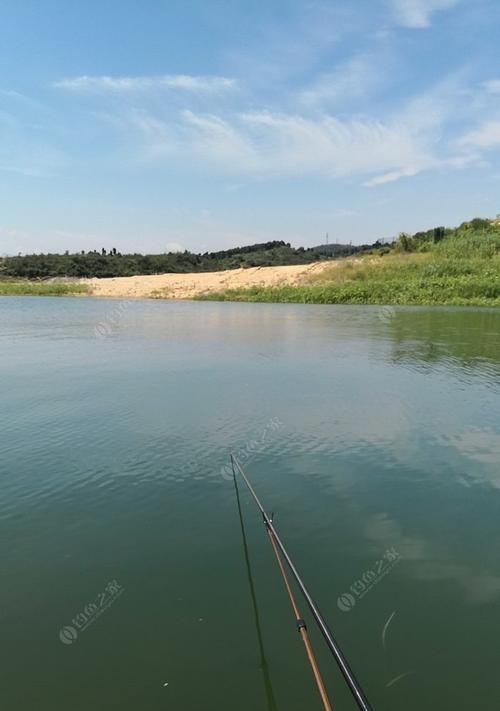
(372, 433)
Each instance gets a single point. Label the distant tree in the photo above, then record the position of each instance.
(479, 224)
(438, 234)
(403, 243)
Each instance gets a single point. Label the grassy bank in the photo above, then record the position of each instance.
(40, 288)
(391, 279)
(460, 267)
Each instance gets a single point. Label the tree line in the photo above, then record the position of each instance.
(111, 263)
(478, 237)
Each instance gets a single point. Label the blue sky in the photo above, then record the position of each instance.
(204, 125)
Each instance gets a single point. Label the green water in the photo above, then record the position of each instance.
(366, 430)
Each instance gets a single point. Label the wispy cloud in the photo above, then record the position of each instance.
(246, 137)
(418, 13)
(269, 145)
(283, 49)
(127, 85)
(215, 123)
(394, 175)
(295, 145)
(354, 78)
(221, 141)
(486, 136)
(425, 163)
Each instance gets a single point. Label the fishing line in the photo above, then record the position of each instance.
(271, 701)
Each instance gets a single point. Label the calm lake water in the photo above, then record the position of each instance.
(372, 433)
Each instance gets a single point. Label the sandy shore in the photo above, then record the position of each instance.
(186, 286)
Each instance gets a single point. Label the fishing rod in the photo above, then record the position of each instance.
(301, 625)
(351, 681)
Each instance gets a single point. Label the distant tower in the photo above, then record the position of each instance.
(327, 238)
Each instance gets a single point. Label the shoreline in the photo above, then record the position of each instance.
(421, 278)
(195, 285)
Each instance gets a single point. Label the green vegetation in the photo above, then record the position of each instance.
(441, 266)
(114, 264)
(476, 239)
(40, 288)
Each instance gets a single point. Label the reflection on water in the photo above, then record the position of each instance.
(271, 701)
(467, 339)
(112, 454)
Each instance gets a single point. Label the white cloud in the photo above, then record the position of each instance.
(264, 144)
(219, 141)
(426, 117)
(295, 145)
(124, 85)
(455, 162)
(156, 134)
(271, 145)
(418, 13)
(486, 136)
(394, 175)
(357, 77)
